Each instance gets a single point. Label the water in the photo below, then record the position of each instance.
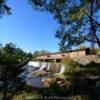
(35, 81)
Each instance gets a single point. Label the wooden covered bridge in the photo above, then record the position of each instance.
(61, 55)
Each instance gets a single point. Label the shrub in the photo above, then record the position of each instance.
(53, 68)
(26, 96)
(97, 51)
(67, 61)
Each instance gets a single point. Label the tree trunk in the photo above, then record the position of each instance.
(5, 90)
(93, 26)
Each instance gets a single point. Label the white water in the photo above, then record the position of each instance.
(36, 81)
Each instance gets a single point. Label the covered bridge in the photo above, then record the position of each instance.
(60, 55)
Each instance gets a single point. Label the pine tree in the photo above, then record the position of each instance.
(12, 61)
(78, 20)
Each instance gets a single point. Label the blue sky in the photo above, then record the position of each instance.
(28, 29)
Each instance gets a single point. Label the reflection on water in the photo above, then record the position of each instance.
(35, 81)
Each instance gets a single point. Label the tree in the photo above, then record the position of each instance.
(82, 47)
(12, 60)
(39, 53)
(4, 8)
(78, 20)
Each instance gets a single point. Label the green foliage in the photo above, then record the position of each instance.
(4, 8)
(53, 68)
(76, 18)
(82, 47)
(12, 61)
(97, 51)
(78, 13)
(39, 53)
(79, 82)
(67, 61)
(79, 97)
(25, 95)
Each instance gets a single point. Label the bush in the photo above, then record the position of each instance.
(26, 96)
(53, 68)
(67, 61)
(97, 51)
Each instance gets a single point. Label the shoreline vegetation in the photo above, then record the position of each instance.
(77, 82)
(78, 23)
